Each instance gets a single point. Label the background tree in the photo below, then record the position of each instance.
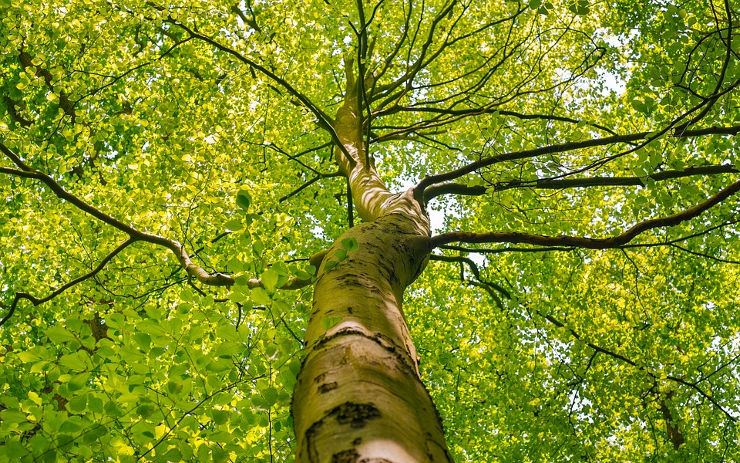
(174, 174)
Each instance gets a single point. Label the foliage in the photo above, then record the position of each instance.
(531, 353)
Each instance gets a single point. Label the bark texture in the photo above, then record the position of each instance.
(359, 397)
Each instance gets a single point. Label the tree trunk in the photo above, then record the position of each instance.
(359, 397)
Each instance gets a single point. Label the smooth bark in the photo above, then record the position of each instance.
(359, 396)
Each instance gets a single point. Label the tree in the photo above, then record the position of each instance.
(212, 212)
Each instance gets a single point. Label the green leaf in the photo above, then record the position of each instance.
(241, 280)
(73, 362)
(270, 279)
(173, 387)
(27, 356)
(77, 404)
(258, 246)
(237, 296)
(95, 404)
(12, 416)
(302, 274)
(59, 334)
(14, 450)
(260, 296)
(219, 455)
(350, 244)
(227, 349)
(270, 396)
(220, 416)
(70, 426)
(143, 340)
(145, 410)
(173, 454)
(244, 199)
(234, 224)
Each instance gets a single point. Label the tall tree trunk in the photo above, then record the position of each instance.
(359, 397)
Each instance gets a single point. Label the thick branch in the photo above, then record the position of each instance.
(212, 279)
(452, 189)
(582, 242)
(558, 148)
(557, 184)
(626, 246)
(216, 279)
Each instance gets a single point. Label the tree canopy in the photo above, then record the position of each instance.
(169, 169)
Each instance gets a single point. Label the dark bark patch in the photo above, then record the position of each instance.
(345, 456)
(326, 387)
(319, 378)
(311, 432)
(349, 309)
(356, 415)
(346, 331)
(400, 353)
(355, 280)
(357, 441)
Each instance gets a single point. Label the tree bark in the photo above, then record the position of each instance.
(359, 396)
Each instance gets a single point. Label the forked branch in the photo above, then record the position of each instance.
(493, 289)
(216, 279)
(195, 271)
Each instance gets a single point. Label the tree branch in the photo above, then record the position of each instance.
(193, 270)
(626, 246)
(610, 181)
(694, 385)
(309, 183)
(487, 286)
(491, 109)
(454, 189)
(503, 250)
(323, 119)
(558, 148)
(36, 301)
(582, 242)
(716, 93)
(216, 279)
